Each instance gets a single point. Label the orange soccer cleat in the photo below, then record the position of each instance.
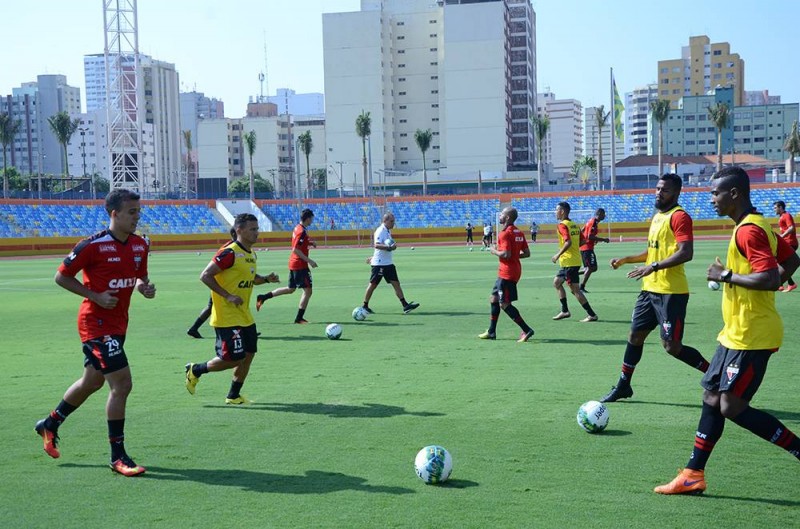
(125, 466)
(50, 439)
(688, 481)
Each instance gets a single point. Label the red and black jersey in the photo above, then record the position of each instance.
(107, 264)
(589, 231)
(300, 240)
(785, 222)
(512, 240)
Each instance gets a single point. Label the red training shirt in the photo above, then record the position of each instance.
(753, 243)
(681, 224)
(589, 231)
(510, 239)
(300, 240)
(784, 223)
(107, 264)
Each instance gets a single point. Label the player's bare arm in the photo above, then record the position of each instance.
(105, 299)
(766, 280)
(619, 261)
(146, 288)
(683, 254)
(207, 276)
(524, 254)
(788, 267)
(567, 245)
(272, 277)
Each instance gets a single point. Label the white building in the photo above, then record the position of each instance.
(464, 69)
(35, 148)
(159, 104)
(637, 107)
(564, 141)
(591, 138)
(760, 97)
(290, 102)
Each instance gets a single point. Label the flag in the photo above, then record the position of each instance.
(619, 108)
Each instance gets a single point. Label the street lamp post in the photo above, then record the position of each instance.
(94, 189)
(297, 171)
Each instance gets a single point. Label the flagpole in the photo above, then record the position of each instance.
(613, 134)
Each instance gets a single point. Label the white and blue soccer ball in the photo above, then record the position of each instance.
(389, 242)
(360, 314)
(593, 416)
(333, 331)
(433, 464)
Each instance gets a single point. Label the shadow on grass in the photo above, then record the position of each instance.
(313, 482)
(676, 404)
(615, 433)
(451, 313)
(368, 411)
(304, 338)
(587, 341)
(457, 484)
(769, 501)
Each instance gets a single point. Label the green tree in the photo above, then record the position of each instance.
(243, 185)
(304, 140)
(320, 178)
(720, 115)
(364, 129)
(423, 139)
(587, 162)
(101, 185)
(8, 129)
(250, 145)
(601, 118)
(792, 146)
(541, 125)
(63, 127)
(660, 108)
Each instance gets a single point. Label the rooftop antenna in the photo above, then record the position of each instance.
(266, 69)
(261, 78)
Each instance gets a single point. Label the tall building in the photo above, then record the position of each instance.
(760, 97)
(564, 141)
(290, 102)
(465, 69)
(591, 135)
(702, 67)
(158, 84)
(35, 148)
(637, 108)
(758, 130)
(195, 106)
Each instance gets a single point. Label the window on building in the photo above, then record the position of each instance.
(402, 107)
(401, 79)
(717, 52)
(403, 148)
(434, 63)
(401, 65)
(433, 35)
(403, 134)
(404, 162)
(401, 37)
(434, 91)
(434, 77)
(434, 49)
(401, 93)
(435, 105)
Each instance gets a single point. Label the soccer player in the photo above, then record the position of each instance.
(230, 276)
(114, 264)
(665, 290)
(469, 229)
(511, 247)
(534, 230)
(382, 266)
(752, 330)
(569, 237)
(590, 238)
(299, 263)
(788, 233)
(487, 236)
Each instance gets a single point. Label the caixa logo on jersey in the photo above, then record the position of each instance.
(105, 248)
(126, 282)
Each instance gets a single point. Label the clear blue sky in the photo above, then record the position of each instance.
(218, 46)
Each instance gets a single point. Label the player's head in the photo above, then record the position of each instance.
(508, 216)
(668, 189)
(730, 192)
(306, 217)
(245, 226)
(123, 207)
(388, 220)
(779, 206)
(562, 210)
(600, 214)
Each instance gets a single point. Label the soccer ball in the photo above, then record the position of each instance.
(333, 331)
(470, 249)
(433, 464)
(412, 248)
(593, 416)
(198, 253)
(360, 314)
(389, 242)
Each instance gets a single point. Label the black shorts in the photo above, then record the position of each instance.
(589, 259)
(487, 239)
(665, 310)
(469, 235)
(300, 278)
(234, 342)
(570, 274)
(106, 354)
(737, 372)
(387, 272)
(505, 290)
(533, 237)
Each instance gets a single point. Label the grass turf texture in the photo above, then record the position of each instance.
(331, 437)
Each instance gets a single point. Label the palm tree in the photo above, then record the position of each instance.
(601, 118)
(305, 147)
(250, 145)
(792, 146)
(423, 139)
(660, 109)
(364, 129)
(63, 127)
(8, 129)
(720, 114)
(187, 140)
(540, 127)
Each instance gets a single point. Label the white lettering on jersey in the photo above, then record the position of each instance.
(127, 282)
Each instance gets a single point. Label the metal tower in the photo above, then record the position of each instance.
(124, 120)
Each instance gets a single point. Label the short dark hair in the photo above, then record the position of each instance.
(676, 180)
(600, 210)
(733, 177)
(241, 219)
(117, 197)
(780, 203)
(306, 214)
(564, 206)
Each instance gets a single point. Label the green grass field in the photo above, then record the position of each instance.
(332, 434)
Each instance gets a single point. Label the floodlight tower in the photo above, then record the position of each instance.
(122, 94)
